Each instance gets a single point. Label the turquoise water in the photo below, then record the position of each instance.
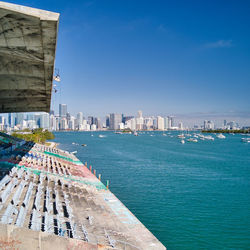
(190, 196)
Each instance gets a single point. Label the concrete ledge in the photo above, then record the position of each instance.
(12, 237)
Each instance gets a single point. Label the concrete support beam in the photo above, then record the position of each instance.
(28, 39)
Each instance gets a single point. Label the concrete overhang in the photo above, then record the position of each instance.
(28, 39)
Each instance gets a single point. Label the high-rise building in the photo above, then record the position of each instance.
(72, 123)
(2, 122)
(131, 124)
(63, 124)
(180, 127)
(52, 123)
(90, 120)
(160, 123)
(170, 122)
(44, 121)
(68, 117)
(79, 118)
(19, 118)
(205, 126)
(62, 110)
(107, 121)
(115, 119)
(37, 119)
(139, 121)
(98, 123)
(11, 119)
(210, 125)
(166, 123)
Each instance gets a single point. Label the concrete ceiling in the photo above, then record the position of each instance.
(27, 54)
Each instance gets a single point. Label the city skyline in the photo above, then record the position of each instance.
(64, 120)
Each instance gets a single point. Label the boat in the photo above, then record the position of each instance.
(164, 134)
(246, 140)
(182, 141)
(101, 136)
(221, 136)
(135, 133)
(74, 152)
(192, 140)
(84, 145)
(209, 137)
(181, 136)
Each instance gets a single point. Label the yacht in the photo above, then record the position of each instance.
(192, 140)
(101, 136)
(221, 136)
(181, 136)
(182, 141)
(209, 137)
(246, 140)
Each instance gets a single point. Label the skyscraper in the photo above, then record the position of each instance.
(44, 121)
(79, 118)
(166, 123)
(19, 118)
(11, 119)
(139, 121)
(90, 120)
(205, 126)
(115, 119)
(170, 122)
(107, 121)
(62, 110)
(160, 123)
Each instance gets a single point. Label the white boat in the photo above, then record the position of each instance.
(182, 141)
(209, 137)
(246, 140)
(135, 133)
(192, 140)
(181, 136)
(221, 136)
(101, 136)
(164, 134)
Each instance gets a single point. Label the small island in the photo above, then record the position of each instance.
(36, 135)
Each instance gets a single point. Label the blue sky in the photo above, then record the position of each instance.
(164, 57)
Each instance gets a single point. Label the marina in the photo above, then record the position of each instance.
(183, 193)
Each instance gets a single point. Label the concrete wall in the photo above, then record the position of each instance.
(12, 237)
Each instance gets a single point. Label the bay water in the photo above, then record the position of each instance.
(190, 196)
